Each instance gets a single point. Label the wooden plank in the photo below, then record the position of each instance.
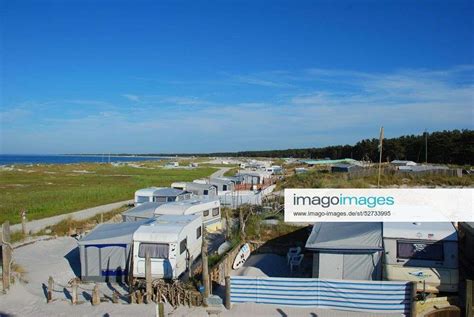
(74, 292)
(149, 290)
(96, 295)
(6, 255)
(413, 299)
(205, 266)
(469, 295)
(227, 292)
(49, 298)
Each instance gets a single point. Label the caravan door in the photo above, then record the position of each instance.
(161, 262)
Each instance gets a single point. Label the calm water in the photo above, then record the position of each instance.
(66, 159)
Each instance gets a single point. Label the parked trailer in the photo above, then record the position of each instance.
(105, 251)
(161, 195)
(173, 242)
(426, 253)
(208, 208)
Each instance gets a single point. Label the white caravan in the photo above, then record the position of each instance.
(173, 243)
(160, 195)
(425, 252)
(209, 209)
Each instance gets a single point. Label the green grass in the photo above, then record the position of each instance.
(49, 190)
(232, 171)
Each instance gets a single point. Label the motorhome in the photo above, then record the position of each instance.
(424, 252)
(209, 209)
(173, 242)
(160, 195)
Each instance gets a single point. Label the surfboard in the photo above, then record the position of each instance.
(242, 256)
(224, 247)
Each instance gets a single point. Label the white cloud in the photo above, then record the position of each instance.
(131, 97)
(406, 101)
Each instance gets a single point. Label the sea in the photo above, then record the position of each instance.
(10, 159)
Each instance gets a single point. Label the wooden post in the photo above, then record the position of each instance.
(133, 297)
(49, 298)
(74, 292)
(101, 218)
(6, 255)
(205, 265)
(227, 292)
(131, 281)
(95, 295)
(380, 156)
(469, 302)
(115, 297)
(161, 309)
(139, 297)
(413, 299)
(148, 278)
(23, 222)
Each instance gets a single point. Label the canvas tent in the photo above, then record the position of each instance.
(105, 251)
(347, 251)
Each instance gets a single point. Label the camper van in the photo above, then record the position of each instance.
(172, 242)
(209, 209)
(425, 252)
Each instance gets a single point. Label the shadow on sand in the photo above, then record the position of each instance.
(74, 260)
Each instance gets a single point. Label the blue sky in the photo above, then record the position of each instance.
(175, 76)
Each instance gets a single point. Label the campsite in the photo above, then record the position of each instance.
(155, 250)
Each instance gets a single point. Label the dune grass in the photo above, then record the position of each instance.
(49, 190)
(320, 179)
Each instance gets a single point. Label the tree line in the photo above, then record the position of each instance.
(444, 147)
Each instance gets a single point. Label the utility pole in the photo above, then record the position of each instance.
(426, 146)
(380, 155)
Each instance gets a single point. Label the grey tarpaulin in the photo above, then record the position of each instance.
(105, 251)
(350, 251)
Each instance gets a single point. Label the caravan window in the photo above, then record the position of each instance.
(198, 232)
(183, 245)
(215, 212)
(170, 199)
(142, 199)
(206, 192)
(159, 199)
(205, 213)
(420, 250)
(155, 250)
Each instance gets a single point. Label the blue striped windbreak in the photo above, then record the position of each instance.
(371, 296)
